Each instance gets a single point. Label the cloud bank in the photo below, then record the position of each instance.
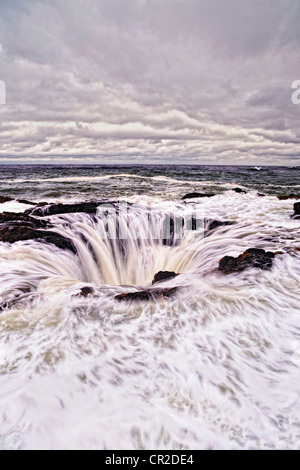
(162, 81)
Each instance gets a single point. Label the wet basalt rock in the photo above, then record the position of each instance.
(58, 209)
(164, 276)
(213, 224)
(90, 207)
(15, 227)
(4, 199)
(285, 197)
(147, 295)
(196, 196)
(22, 219)
(239, 191)
(24, 201)
(14, 232)
(296, 214)
(252, 258)
(85, 292)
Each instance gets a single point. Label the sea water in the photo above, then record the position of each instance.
(214, 367)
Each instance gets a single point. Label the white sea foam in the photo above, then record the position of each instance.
(13, 206)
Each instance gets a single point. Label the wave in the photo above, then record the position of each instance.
(159, 178)
(70, 179)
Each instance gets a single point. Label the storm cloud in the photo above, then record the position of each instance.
(175, 81)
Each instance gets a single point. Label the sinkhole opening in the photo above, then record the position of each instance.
(128, 246)
(135, 261)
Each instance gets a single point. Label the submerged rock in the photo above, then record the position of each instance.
(252, 258)
(85, 292)
(164, 276)
(296, 214)
(285, 197)
(147, 295)
(196, 196)
(239, 190)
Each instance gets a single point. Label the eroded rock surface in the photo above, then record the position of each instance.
(147, 295)
(252, 258)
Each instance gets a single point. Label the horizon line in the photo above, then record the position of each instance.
(148, 164)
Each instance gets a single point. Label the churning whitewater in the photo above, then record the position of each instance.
(213, 365)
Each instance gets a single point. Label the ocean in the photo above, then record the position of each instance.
(202, 360)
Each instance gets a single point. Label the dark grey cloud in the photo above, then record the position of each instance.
(179, 80)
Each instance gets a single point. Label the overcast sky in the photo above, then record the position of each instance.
(162, 81)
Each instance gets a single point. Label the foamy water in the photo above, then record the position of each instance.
(215, 367)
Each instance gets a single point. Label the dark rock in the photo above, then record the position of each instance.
(4, 199)
(43, 210)
(21, 201)
(285, 197)
(252, 258)
(164, 276)
(213, 224)
(196, 195)
(42, 204)
(296, 214)
(239, 190)
(24, 201)
(85, 292)
(147, 295)
(23, 219)
(14, 232)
